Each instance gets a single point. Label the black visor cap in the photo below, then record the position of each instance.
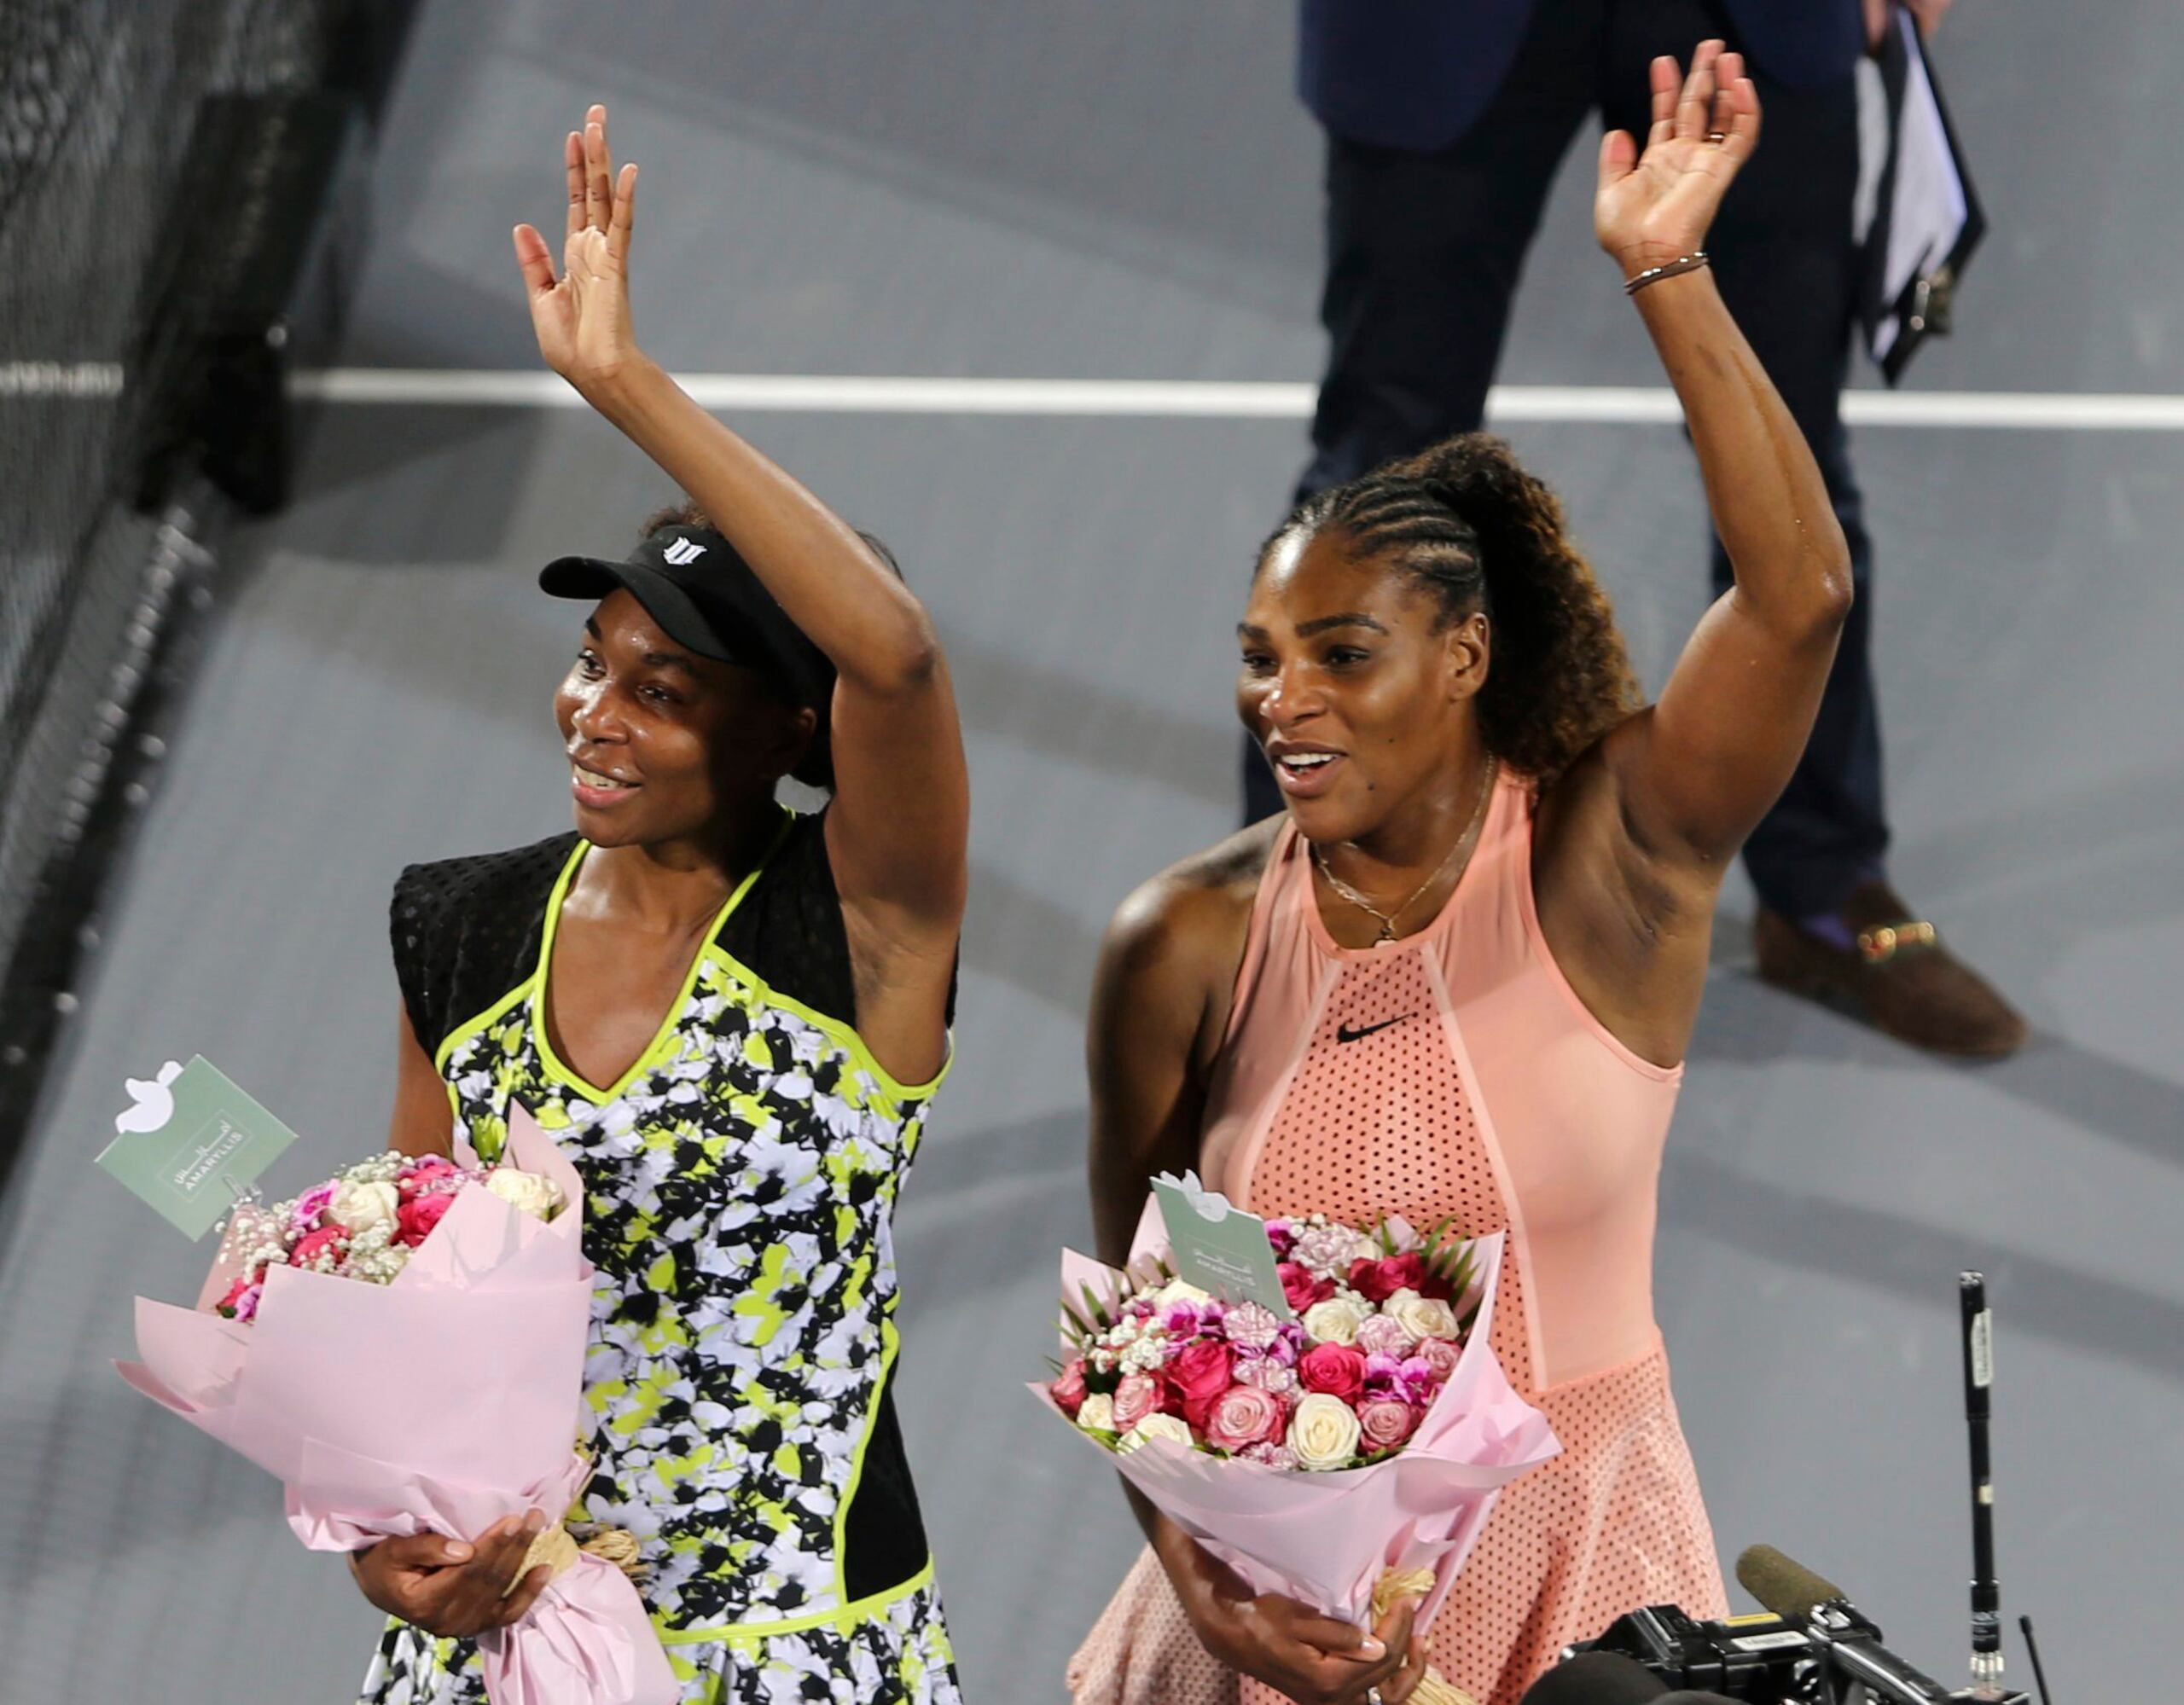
(692, 582)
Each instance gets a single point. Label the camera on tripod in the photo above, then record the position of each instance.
(1812, 1645)
(1816, 1649)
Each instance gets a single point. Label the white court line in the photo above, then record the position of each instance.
(1202, 399)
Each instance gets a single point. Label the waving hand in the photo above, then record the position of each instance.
(1654, 206)
(583, 316)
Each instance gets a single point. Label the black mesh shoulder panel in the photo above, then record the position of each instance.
(789, 928)
(466, 931)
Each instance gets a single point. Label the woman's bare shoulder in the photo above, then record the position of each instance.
(1190, 919)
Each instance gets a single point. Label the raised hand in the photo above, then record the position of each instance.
(1654, 206)
(582, 318)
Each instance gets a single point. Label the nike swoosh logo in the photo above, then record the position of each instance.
(1345, 1033)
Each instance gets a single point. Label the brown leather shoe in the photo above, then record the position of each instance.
(1899, 978)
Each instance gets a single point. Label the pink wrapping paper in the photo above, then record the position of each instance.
(439, 1404)
(1326, 1538)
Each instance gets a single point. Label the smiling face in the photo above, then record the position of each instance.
(1355, 684)
(665, 746)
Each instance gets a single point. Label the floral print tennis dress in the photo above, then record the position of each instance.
(739, 1179)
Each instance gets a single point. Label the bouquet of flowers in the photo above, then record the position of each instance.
(1343, 1386)
(1345, 1456)
(440, 1395)
(362, 1223)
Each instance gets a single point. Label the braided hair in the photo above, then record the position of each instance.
(1470, 527)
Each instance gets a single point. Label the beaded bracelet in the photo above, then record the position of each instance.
(1654, 275)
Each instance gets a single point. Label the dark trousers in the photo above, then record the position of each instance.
(1424, 252)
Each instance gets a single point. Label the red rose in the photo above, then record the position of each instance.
(1198, 1377)
(422, 1174)
(1302, 1289)
(330, 1240)
(1379, 1280)
(417, 1216)
(1335, 1369)
(242, 1301)
(1068, 1388)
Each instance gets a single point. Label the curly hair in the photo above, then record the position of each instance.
(1469, 526)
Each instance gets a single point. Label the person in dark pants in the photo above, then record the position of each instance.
(1445, 126)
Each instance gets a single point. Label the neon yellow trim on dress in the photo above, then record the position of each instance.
(854, 1044)
(668, 1024)
(485, 1020)
(749, 1635)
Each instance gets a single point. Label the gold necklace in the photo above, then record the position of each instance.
(1388, 918)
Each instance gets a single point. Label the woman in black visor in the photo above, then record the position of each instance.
(732, 1017)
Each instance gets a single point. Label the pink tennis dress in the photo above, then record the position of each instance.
(1456, 1073)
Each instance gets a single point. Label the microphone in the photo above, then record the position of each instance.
(1797, 1594)
(1784, 1586)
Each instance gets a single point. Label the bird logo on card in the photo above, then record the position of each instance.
(682, 551)
(151, 1102)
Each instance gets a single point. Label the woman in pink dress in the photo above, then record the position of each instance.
(1458, 976)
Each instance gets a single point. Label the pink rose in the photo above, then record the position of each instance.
(1243, 1415)
(1068, 1388)
(1335, 1369)
(1378, 1280)
(1383, 1335)
(415, 1219)
(1198, 1375)
(1440, 1356)
(1385, 1422)
(1302, 1289)
(422, 1174)
(1137, 1396)
(328, 1240)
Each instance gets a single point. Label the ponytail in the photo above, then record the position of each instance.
(1466, 523)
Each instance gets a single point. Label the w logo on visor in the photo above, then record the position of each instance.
(682, 551)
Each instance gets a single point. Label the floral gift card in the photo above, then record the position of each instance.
(191, 1143)
(1220, 1249)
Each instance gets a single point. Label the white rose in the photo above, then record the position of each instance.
(1334, 1321)
(525, 1192)
(1422, 1317)
(1180, 1290)
(359, 1207)
(1155, 1427)
(1098, 1413)
(1323, 1432)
